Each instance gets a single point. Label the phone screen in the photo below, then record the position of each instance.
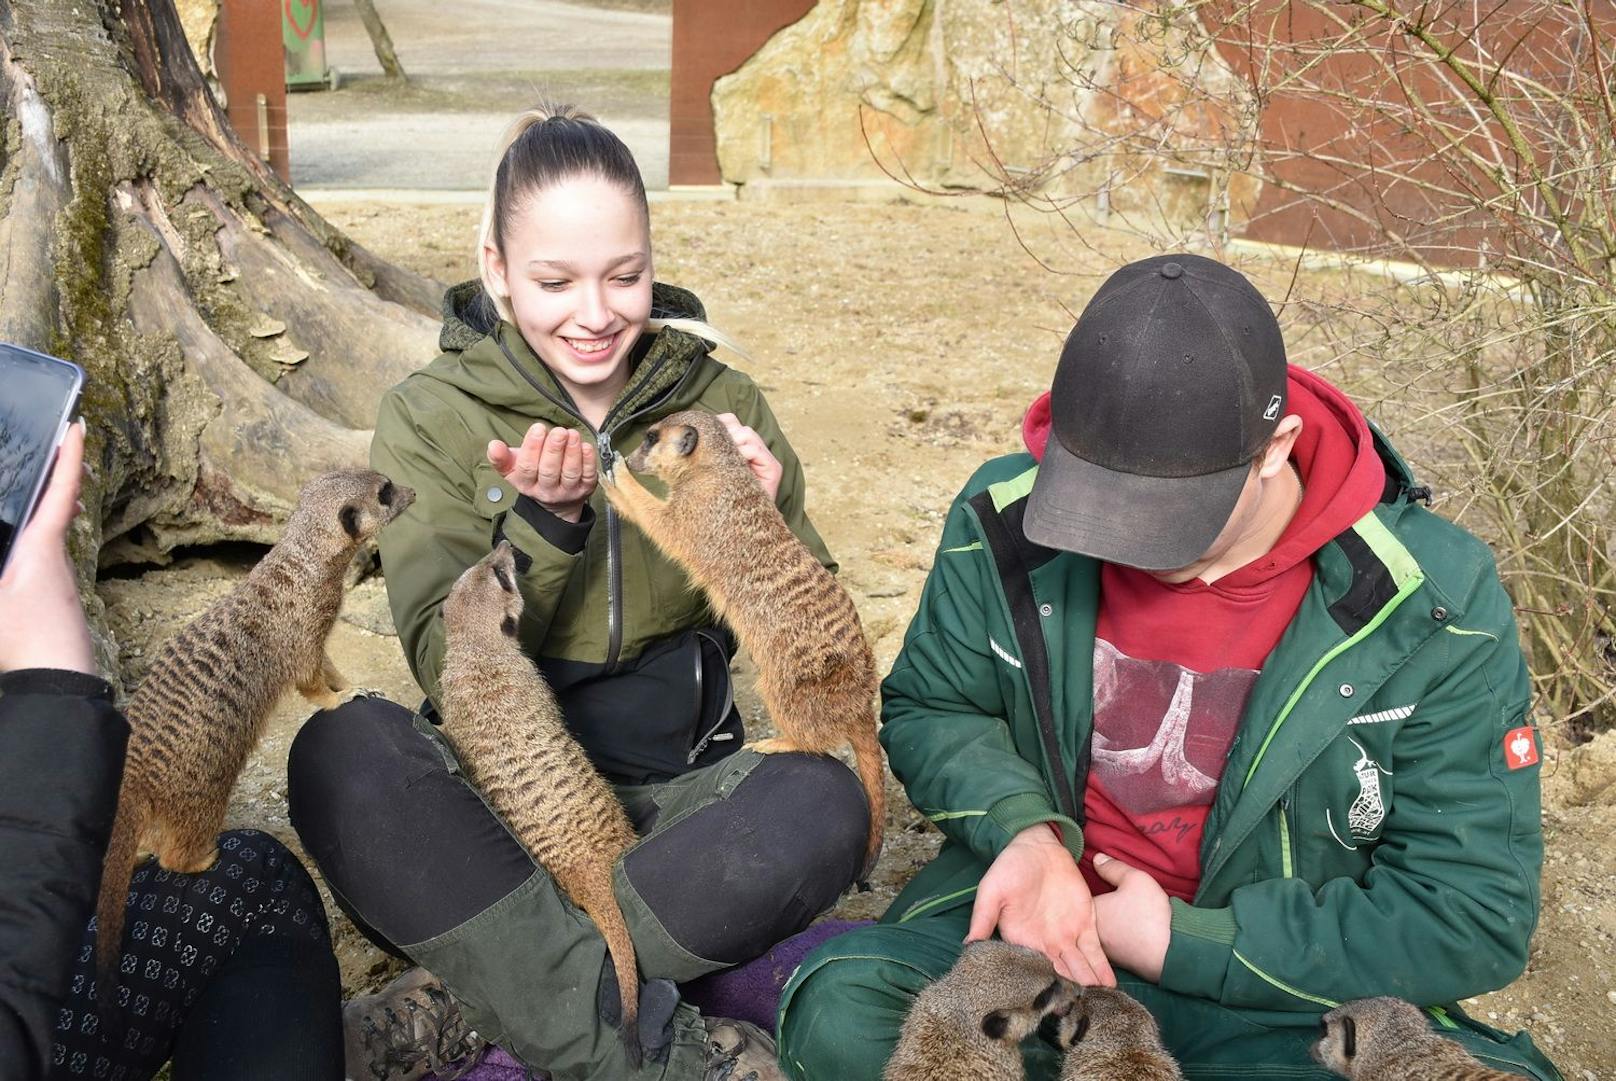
(37, 396)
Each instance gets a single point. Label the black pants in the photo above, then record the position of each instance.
(228, 972)
(734, 857)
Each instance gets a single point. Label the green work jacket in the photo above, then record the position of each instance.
(1368, 835)
(597, 594)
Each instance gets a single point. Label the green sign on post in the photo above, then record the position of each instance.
(303, 33)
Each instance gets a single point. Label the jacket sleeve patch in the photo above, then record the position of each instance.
(1520, 747)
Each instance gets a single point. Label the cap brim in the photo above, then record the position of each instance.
(1153, 523)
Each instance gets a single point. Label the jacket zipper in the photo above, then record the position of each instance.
(614, 529)
(712, 734)
(1287, 857)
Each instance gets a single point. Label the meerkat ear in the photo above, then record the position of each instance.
(686, 442)
(349, 517)
(995, 1024)
(1349, 1037)
(507, 626)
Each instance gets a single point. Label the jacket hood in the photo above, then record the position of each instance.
(487, 358)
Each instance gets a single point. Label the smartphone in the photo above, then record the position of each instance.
(39, 396)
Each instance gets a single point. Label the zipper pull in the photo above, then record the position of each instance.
(603, 450)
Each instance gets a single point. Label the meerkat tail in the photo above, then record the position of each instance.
(871, 765)
(613, 928)
(117, 867)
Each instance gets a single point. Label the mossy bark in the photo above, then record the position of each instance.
(140, 238)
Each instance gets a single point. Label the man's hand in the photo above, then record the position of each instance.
(554, 467)
(765, 466)
(1136, 920)
(1035, 895)
(41, 620)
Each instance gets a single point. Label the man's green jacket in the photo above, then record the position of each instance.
(1374, 831)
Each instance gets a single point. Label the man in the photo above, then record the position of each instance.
(1205, 704)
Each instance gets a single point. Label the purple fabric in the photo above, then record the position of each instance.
(749, 992)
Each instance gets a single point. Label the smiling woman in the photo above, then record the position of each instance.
(565, 348)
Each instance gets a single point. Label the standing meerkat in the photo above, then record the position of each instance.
(968, 1026)
(1387, 1039)
(1109, 1036)
(515, 747)
(816, 673)
(202, 706)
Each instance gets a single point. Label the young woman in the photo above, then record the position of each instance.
(564, 351)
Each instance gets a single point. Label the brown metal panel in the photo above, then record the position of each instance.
(250, 60)
(712, 38)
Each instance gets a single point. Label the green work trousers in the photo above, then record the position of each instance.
(842, 1011)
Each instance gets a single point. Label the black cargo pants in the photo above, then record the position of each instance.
(734, 857)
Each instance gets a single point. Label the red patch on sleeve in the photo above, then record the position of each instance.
(1520, 748)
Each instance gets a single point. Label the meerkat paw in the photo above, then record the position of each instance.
(188, 861)
(350, 693)
(775, 746)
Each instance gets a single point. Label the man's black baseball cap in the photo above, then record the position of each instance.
(1168, 386)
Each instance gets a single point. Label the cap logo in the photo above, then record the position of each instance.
(1273, 408)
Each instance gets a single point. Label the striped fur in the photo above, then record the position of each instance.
(201, 708)
(816, 673)
(1387, 1039)
(515, 747)
(1110, 1037)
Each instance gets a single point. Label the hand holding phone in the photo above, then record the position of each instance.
(41, 618)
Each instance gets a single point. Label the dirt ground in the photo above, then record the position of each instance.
(899, 344)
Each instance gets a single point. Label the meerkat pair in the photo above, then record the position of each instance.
(968, 1026)
(1387, 1039)
(202, 706)
(816, 672)
(513, 743)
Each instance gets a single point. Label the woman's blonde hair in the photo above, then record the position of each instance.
(544, 146)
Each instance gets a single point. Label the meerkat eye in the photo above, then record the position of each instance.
(385, 496)
(1081, 1030)
(1349, 1037)
(349, 517)
(651, 437)
(504, 579)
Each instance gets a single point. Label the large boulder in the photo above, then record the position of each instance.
(1057, 97)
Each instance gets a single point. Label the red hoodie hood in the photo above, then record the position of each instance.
(1335, 455)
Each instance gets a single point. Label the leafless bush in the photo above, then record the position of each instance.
(1473, 143)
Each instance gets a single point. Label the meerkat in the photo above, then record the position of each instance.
(1387, 1039)
(514, 745)
(1109, 1036)
(816, 672)
(968, 1026)
(201, 708)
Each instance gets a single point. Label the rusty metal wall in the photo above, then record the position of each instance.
(712, 38)
(251, 64)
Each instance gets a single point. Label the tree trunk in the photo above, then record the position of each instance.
(380, 40)
(234, 343)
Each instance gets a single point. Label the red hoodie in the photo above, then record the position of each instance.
(1174, 664)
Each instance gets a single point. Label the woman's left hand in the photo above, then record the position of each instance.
(765, 466)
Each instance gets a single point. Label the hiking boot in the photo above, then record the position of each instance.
(408, 1029)
(739, 1051)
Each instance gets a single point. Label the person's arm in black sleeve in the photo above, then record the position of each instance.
(61, 760)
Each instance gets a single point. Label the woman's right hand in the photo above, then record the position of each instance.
(554, 467)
